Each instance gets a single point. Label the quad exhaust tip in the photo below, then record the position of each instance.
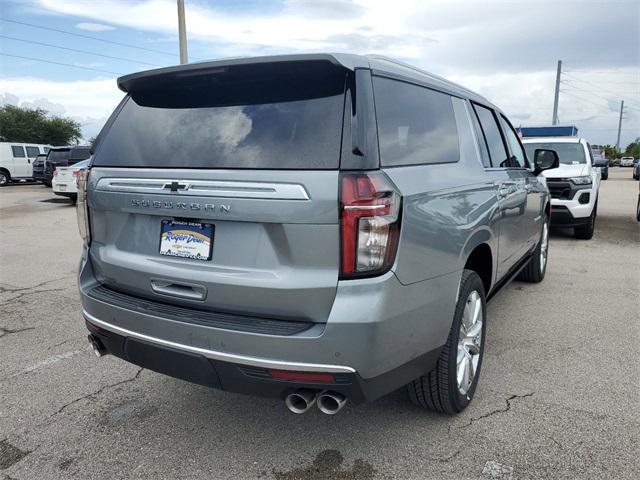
(301, 400)
(96, 345)
(331, 403)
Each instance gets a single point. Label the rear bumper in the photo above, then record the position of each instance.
(379, 336)
(246, 379)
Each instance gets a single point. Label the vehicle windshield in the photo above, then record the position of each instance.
(288, 123)
(569, 153)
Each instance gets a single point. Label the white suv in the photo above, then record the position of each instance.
(574, 185)
(626, 162)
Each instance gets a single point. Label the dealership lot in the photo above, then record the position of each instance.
(558, 396)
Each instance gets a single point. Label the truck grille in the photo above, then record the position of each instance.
(560, 190)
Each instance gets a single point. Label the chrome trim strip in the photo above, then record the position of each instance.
(206, 188)
(225, 357)
(365, 207)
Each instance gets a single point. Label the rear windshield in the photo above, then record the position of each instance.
(569, 153)
(57, 155)
(279, 123)
(79, 153)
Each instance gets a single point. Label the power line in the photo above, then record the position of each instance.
(88, 36)
(59, 63)
(78, 51)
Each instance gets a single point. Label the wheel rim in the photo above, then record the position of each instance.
(544, 247)
(3, 179)
(469, 342)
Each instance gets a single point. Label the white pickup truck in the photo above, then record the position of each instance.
(574, 185)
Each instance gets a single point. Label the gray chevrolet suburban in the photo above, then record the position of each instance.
(316, 228)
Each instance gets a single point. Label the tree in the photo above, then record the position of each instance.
(633, 149)
(27, 125)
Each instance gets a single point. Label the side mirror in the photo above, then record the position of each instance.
(545, 160)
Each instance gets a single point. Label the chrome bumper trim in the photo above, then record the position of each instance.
(222, 356)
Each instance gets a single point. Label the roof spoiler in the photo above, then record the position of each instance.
(157, 78)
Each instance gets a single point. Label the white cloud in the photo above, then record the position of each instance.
(95, 27)
(90, 102)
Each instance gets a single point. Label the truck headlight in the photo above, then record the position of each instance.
(586, 180)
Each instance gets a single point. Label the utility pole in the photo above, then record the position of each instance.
(556, 98)
(620, 125)
(182, 33)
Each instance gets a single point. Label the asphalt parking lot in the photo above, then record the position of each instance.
(558, 396)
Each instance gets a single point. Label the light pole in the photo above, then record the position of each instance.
(182, 33)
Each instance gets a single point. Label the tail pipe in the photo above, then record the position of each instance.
(331, 402)
(301, 400)
(97, 346)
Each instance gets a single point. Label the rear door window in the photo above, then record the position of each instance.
(17, 151)
(492, 135)
(416, 125)
(250, 123)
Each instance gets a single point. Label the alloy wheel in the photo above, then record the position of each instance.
(469, 342)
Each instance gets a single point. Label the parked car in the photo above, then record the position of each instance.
(626, 162)
(636, 171)
(63, 157)
(38, 167)
(603, 164)
(574, 185)
(267, 241)
(638, 207)
(15, 160)
(615, 162)
(64, 181)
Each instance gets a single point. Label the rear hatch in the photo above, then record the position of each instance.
(233, 175)
(57, 157)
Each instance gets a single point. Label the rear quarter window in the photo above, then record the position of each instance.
(416, 125)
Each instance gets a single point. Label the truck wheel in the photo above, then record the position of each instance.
(5, 178)
(450, 386)
(537, 266)
(585, 232)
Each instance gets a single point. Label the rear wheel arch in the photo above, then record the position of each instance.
(480, 260)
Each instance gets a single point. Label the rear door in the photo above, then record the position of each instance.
(20, 165)
(512, 195)
(245, 168)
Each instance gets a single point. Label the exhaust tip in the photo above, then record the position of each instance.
(96, 345)
(331, 403)
(300, 401)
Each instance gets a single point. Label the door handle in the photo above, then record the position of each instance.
(504, 191)
(179, 290)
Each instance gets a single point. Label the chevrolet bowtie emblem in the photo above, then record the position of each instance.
(175, 186)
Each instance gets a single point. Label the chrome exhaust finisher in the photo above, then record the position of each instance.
(97, 346)
(301, 400)
(331, 403)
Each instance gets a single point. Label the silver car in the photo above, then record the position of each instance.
(316, 228)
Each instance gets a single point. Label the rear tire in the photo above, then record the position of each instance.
(447, 389)
(585, 232)
(537, 267)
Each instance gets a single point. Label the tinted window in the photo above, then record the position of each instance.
(18, 151)
(289, 123)
(569, 153)
(58, 155)
(415, 125)
(79, 153)
(518, 158)
(492, 135)
(33, 152)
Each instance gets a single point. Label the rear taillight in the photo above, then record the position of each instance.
(82, 207)
(55, 172)
(74, 173)
(369, 223)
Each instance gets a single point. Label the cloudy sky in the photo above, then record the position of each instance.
(505, 50)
